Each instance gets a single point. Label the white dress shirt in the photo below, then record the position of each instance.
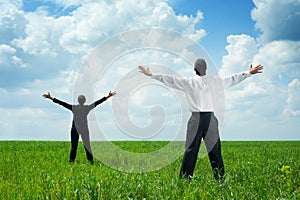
(200, 91)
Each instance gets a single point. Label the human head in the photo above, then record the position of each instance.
(81, 99)
(200, 67)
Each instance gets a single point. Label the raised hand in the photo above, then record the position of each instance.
(110, 94)
(255, 70)
(48, 96)
(145, 71)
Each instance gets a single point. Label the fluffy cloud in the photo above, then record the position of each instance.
(293, 106)
(25, 114)
(91, 22)
(277, 19)
(241, 50)
(6, 53)
(46, 44)
(42, 51)
(273, 96)
(8, 5)
(69, 3)
(12, 25)
(281, 59)
(29, 117)
(42, 48)
(28, 47)
(36, 41)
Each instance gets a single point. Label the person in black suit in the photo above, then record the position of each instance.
(80, 124)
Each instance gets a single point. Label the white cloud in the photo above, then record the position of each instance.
(277, 19)
(6, 53)
(279, 57)
(241, 49)
(59, 42)
(293, 105)
(29, 117)
(12, 23)
(24, 108)
(41, 52)
(18, 62)
(281, 64)
(41, 34)
(70, 3)
(268, 104)
(91, 23)
(8, 5)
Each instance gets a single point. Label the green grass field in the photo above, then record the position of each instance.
(254, 170)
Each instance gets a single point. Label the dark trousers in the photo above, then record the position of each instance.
(74, 145)
(203, 125)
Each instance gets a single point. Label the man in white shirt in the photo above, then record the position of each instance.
(200, 91)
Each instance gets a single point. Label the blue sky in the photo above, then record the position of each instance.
(44, 44)
(220, 20)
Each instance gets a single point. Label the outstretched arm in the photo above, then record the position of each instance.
(64, 104)
(110, 94)
(239, 77)
(170, 81)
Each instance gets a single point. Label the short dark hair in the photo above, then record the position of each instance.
(200, 67)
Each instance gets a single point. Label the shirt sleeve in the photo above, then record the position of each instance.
(100, 101)
(64, 104)
(96, 103)
(172, 81)
(234, 79)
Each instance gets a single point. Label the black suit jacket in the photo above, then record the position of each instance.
(80, 113)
